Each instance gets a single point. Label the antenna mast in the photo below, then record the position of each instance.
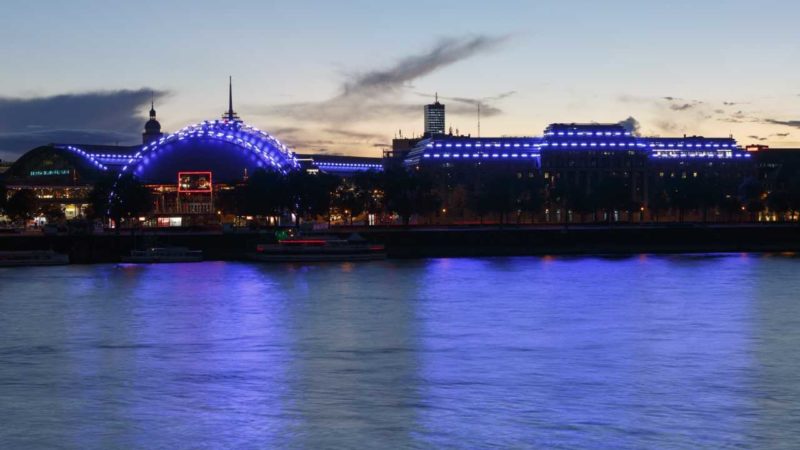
(479, 118)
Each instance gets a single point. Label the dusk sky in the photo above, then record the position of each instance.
(345, 76)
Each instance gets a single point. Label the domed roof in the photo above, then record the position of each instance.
(152, 126)
(228, 149)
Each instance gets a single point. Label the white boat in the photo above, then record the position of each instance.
(319, 248)
(32, 258)
(164, 255)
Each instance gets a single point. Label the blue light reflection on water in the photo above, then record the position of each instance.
(653, 351)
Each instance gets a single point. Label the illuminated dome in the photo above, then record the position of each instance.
(228, 149)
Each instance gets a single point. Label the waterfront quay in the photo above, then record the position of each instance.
(440, 241)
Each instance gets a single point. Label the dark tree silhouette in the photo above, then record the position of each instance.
(409, 192)
(266, 194)
(350, 199)
(3, 196)
(130, 199)
(99, 198)
(370, 184)
(22, 205)
(750, 194)
(53, 214)
(310, 194)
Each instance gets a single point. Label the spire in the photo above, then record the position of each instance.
(230, 114)
(436, 95)
(152, 106)
(230, 98)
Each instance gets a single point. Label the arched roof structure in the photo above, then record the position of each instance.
(229, 149)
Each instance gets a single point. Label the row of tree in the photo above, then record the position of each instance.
(397, 193)
(309, 196)
(24, 205)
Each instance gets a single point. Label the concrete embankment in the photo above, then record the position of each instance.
(588, 240)
(417, 242)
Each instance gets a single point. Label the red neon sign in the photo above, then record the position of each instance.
(195, 182)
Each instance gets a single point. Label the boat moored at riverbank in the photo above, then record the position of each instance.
(319, 248)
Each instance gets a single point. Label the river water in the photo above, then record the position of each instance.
(634, 352)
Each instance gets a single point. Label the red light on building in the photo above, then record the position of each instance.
(756, 148)
(195, 182)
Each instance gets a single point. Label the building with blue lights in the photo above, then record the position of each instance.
(580, 158)
(187, 168)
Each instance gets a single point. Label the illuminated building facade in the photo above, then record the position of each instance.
(188, 169)
(583, 155)
(185, 170)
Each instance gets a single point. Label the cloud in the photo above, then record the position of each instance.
(787, 123)
(781, 134)
(373, 94)
(469, 106)
(277, 132)
(101, 117)
(737, 117)
(679, 104)
(681, 107)
(446, 52)
(353, 134)
(377, 95)
(631, 124)
(757, 138)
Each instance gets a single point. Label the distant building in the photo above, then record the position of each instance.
(434, 118)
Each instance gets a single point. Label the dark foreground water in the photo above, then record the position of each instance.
(638, 352)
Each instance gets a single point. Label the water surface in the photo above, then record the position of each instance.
(635, 352)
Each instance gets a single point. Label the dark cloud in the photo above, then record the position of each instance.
(631, 124)
(781, 134)
(446, 52)
(104, 117)
(787, 123)
(679, 104)
(369, 95)
(730, 103)
(354, 134)
(277, 132)
(737, 117)
(469, 106)
(681, 107)
(757, 138)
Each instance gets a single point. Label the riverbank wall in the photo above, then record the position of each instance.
(417, 242)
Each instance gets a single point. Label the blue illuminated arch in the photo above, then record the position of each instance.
(82, 153)
(268, 151)
(247, 138)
